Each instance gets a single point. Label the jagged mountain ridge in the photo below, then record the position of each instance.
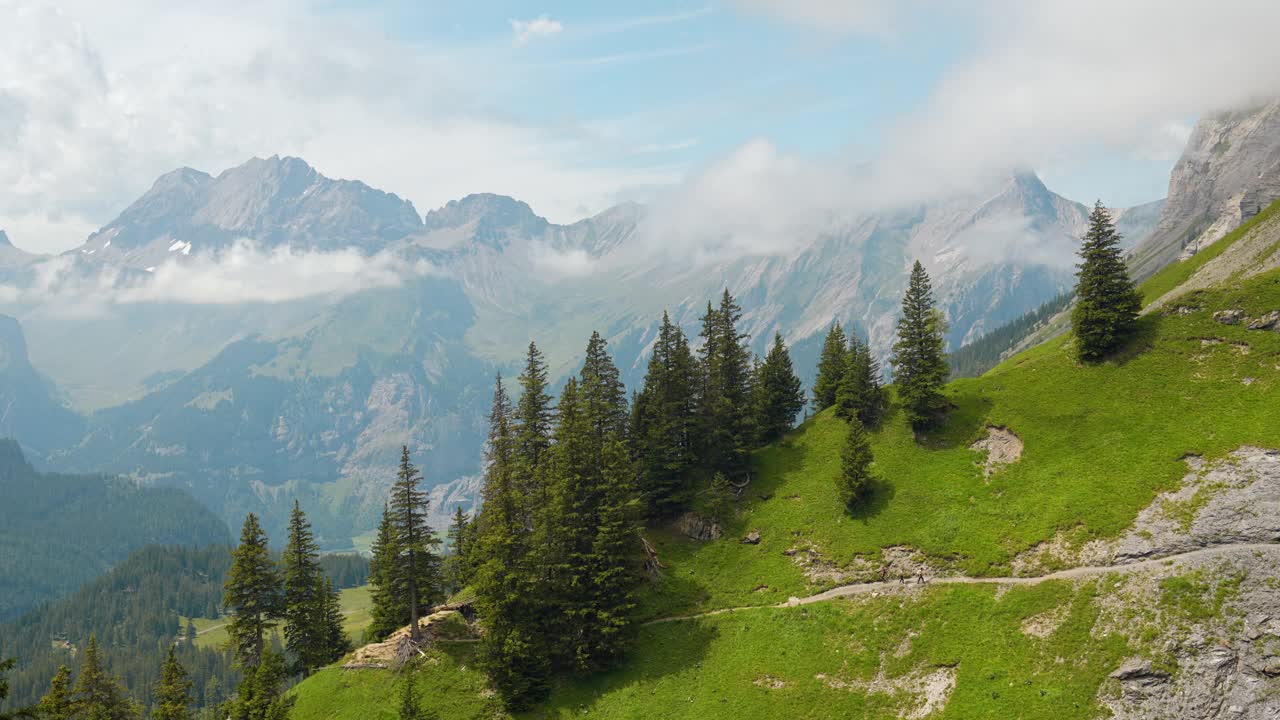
(274, 201)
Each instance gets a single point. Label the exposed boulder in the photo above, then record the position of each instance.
(697, 527)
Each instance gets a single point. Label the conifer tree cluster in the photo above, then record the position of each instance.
(1107, 301)
(95, 693)
(849, 378)
(259, 595)
(699, 415)
(919, 355)
(554, 554)
(406, 571)
(556, 544)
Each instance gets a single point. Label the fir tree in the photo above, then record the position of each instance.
(390, 610)
(1107, 301)
(58, 703)
(331, 639)
(603, 397)
(98, 695)
(860, 394)
(417, 567)
(533, 420)
(513, 651)
(725, 411)
(457, 568)
(919, 358)
(665, 421)
(173, 693)
(779, 393)
(252, 593)
(306, 595)
(831, 367)
(854, 481)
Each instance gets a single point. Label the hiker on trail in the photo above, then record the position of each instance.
(884, 572)
(902, 578)
(920, 578)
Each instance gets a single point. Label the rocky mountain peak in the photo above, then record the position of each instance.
(493, 219)
(1229, 171)
(273, 201)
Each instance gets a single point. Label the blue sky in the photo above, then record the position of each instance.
(798, 106)
(684, 83)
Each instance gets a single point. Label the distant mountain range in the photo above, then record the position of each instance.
(250, 404)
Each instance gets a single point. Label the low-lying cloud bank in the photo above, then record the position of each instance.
(243, 273)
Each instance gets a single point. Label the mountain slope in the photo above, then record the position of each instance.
(57, 531)
(318, 416)
(29, 412)
(1161, 450)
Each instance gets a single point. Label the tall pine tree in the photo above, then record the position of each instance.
(509, 595)
(665, 422)
(726, 431)
(534, 416)
(252, 593)
(860, 394)
(457, 568)
(1107, 301)
(173, 692)
(779, 395)
(831, 367)
(59, 702)
(417, 567)
(919, 358)
(390, 610)
(854, 481)
(309, 634)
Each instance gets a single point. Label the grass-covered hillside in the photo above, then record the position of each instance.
(1099, 443)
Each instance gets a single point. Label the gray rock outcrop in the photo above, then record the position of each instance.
(1228, 173)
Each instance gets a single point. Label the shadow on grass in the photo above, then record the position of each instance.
(879, 492)
(1143, 339)
(963, 423)
(659, 651)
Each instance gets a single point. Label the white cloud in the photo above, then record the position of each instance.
(92, 111)
(756, 200)
(858, 17)
(541, 26)
(242, 273)
(554, 264)
(1045, 83)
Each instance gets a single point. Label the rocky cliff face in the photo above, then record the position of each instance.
(1228, 173)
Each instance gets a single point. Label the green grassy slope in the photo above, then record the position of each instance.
(1100, 443)
(355, 604)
